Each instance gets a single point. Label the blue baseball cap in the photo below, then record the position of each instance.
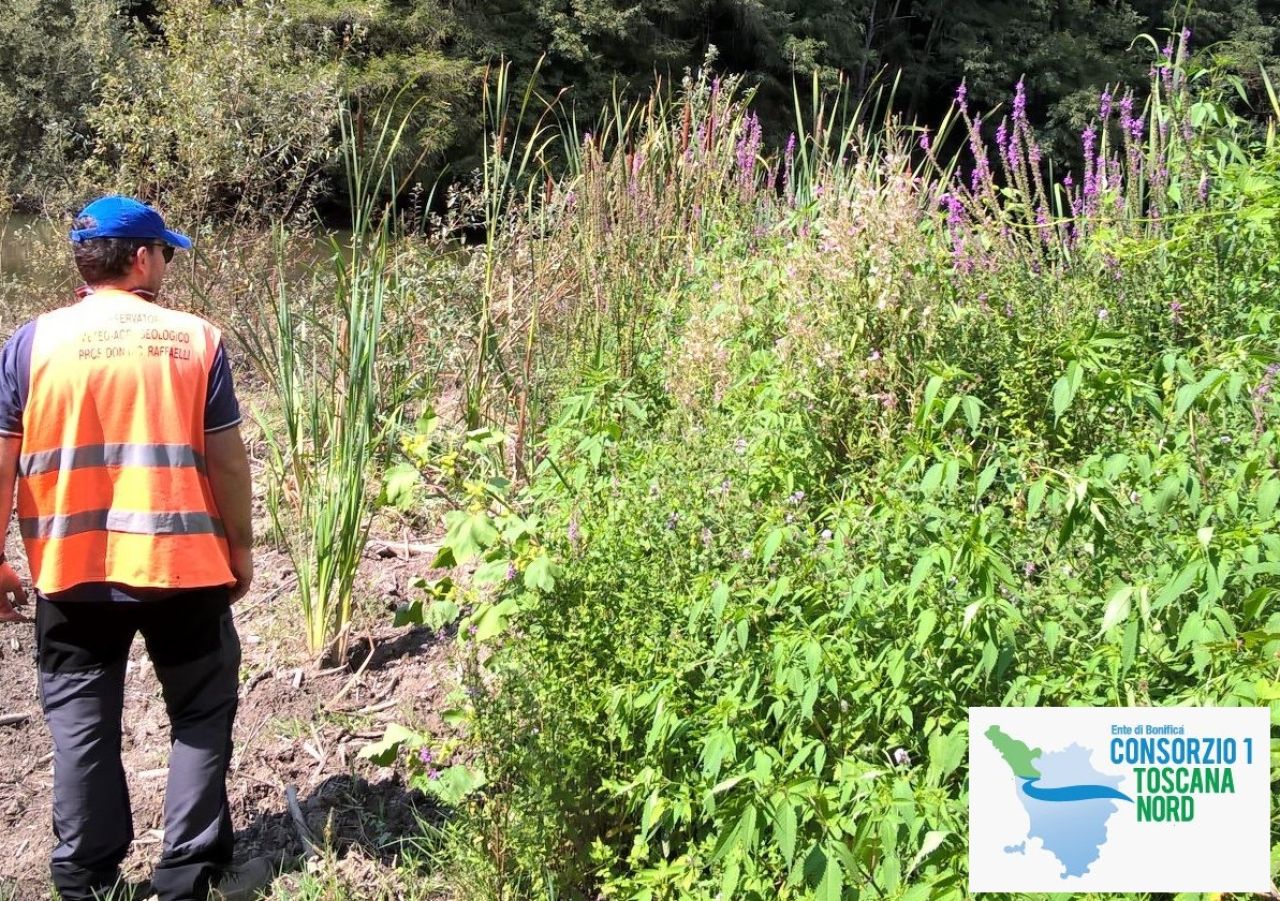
(125, 217)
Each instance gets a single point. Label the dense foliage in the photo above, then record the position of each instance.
(825, 467)
(229, 107)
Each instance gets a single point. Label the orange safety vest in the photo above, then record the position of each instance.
(112, 484)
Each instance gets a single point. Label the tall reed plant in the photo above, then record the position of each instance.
(339, 399)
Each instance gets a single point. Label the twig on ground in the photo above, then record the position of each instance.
(255, 679)
(374, 708)
(402, 550)
(354, 676)
(13, 719)
(300, 822)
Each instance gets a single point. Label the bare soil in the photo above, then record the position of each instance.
(295, 726)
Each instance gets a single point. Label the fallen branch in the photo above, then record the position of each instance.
(13, 719)
(401, 549)
(374, 708)
(354, 676)
(309, 845)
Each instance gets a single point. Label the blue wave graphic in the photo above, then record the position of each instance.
(1071, 792)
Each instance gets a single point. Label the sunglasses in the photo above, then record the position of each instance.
(167, 250)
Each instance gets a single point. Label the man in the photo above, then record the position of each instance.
(119, 429)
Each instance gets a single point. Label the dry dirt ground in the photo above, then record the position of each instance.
(297, 725)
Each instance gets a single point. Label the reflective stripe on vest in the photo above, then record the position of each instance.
(62, 458)
(112, 484)
(119, 521)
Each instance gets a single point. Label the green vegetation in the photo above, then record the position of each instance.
(820, 468)
(759, 466)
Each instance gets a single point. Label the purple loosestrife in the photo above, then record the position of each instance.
(789, 159)
(955, 211)
(1088, 139)
(1113, 266)
(1104, 106)
(1137, 127)
(1166, 68)
(1202, 190)
(1175, 312)
(425, 755)
(924, 140)
(1013, 151)
(1019, 103)
(962, 94)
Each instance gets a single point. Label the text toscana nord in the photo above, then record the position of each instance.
(1171, 768)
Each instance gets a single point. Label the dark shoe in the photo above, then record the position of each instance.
(245, 881)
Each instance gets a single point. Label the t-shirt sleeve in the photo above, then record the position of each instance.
(15, 379)
(221, 408)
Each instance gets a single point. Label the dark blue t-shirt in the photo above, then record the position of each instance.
(221, 411)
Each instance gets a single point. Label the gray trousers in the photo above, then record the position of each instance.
(82, 650)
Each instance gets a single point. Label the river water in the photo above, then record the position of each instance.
(34, 252)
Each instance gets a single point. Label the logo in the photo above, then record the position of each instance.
(1119, 799)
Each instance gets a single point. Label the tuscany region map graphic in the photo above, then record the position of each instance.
(1070, 818)
(1119, 799)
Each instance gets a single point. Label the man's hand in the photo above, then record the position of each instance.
(12, 595)
(242, 569)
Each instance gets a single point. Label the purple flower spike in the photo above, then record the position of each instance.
(1104, 106)
(426, 756)
(1090, 171)
(924, 140)
(962, 94)
(955, 212)
(1020, 103)
(1126, 113)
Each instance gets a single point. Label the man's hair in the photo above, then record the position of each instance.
(102, 259)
